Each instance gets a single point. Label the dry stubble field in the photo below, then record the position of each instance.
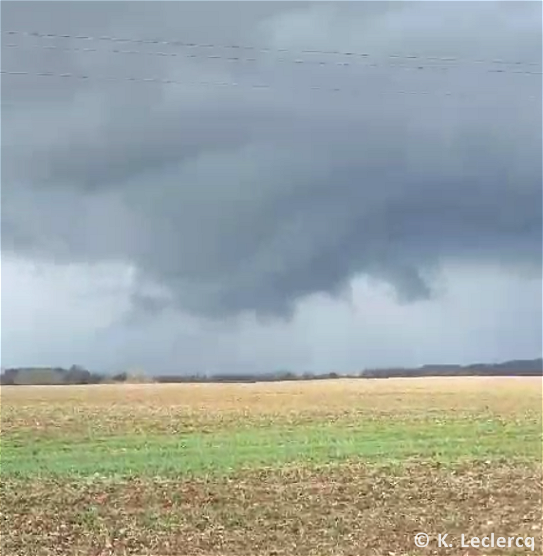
(324, 467)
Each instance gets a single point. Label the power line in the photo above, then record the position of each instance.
(231, 84)
(183, 44)
(240, 59)
(216, 57)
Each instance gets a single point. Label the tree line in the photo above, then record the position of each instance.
(79, 375)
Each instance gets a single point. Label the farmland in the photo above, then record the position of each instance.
(323, 467)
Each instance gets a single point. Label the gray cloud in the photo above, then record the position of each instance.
(232, 199)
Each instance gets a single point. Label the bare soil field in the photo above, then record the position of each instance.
(326, 467)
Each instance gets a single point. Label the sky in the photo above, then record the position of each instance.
(312, 186)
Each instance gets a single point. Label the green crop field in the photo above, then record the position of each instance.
(313, 467)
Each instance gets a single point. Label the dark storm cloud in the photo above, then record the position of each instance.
(233, 198)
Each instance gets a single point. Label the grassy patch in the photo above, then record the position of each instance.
(378, 441)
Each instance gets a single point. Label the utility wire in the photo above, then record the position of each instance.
(240, 59)
(177, 43)
(231, 84)
(215, 57)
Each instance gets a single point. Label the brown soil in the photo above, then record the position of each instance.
(350, 509)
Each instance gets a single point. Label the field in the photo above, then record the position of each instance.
(324, 467)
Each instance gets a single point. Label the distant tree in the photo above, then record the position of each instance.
(120, 377)
(77, 375)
